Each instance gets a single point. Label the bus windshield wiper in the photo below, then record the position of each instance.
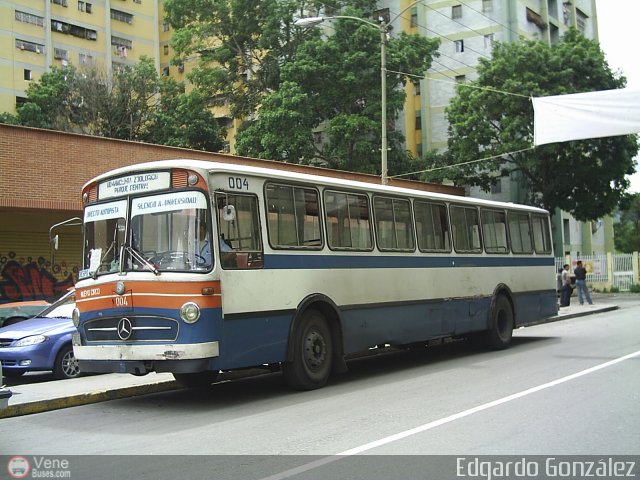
(140, 258)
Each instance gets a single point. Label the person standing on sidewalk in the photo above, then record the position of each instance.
(567, 290)
(581, 283)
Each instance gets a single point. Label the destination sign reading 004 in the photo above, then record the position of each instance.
(131, 184)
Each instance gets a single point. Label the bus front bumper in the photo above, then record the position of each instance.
(142, 359)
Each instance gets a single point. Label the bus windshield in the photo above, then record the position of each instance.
(104, 233)
(169, 232)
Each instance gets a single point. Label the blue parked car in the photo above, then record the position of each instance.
(41, 343)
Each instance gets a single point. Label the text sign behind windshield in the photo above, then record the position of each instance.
(105, 211)
(138, 183)
(168, 202)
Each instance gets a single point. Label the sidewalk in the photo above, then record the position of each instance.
(39, 397)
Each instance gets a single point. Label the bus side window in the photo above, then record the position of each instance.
(240, 241)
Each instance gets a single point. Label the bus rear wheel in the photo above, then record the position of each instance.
(197, 379)
(312, 353)
(500, 332)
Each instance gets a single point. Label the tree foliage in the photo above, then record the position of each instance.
(585, 178)
(332, 86)
(627, 229)
(134, 103)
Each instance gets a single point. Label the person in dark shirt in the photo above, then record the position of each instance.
(581, 283)
(567, 289)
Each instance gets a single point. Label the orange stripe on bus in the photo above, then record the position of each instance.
(148, 295)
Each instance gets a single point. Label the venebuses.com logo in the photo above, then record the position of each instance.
(18, 467)
(38, 467)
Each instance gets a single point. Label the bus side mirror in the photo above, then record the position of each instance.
(229, 213)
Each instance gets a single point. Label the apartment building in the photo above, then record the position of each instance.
(467, 30)
(37, 35)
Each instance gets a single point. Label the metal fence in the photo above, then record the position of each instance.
(607, 270)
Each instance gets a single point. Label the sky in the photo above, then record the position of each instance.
(619, 36)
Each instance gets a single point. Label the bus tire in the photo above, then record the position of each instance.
(197, 379)
(500, 332)
(312, 353)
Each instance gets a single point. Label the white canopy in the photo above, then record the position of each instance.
(577, 116)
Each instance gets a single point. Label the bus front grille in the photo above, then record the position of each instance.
(131, 329)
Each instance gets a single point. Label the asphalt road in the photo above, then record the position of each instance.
(564, 388)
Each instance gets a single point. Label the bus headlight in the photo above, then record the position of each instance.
(75, 317)
(190, 312)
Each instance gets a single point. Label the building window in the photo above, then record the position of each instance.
(416, 88)
(27, 74)
(165, 26)
(85, 7)
(121, 46)
(165, 49)
(487, 5)
(414, 18)
(459, 46)
(382, 15)
(137, 1)
(418, 124)
(85, 59)
(29, 46)
(581, 20)
(461, 78)
(165, 71)
(60, 2)
(496, 186)
(536, 19)
(29, 18)
(60, 54)
(488, 41)
(75, 30)
(456, 11)
(121, 16)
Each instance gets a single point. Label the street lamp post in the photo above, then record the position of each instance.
(383, 28)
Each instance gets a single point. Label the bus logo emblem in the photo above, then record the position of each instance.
(124, 329)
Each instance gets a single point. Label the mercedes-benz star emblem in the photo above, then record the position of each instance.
(124, 329)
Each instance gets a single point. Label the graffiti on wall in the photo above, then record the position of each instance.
(28, 278)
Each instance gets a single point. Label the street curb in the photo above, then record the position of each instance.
(574, 315)
(40, 406)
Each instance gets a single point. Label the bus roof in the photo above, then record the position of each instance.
(316, 176)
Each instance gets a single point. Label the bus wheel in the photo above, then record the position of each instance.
(312, 353)
(197, 379)
(500, 331)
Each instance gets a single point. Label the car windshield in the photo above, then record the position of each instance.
(63, 307)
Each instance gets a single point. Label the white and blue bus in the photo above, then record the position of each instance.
(196, 267)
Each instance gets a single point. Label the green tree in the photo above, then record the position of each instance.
(184, 120)
(49, 101)
(585, 178)
(332, 86)
(133, 103)
(241, 45)
(627, 229)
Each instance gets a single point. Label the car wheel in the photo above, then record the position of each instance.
(66, 365)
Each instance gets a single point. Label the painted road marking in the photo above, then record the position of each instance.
(443, 421)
